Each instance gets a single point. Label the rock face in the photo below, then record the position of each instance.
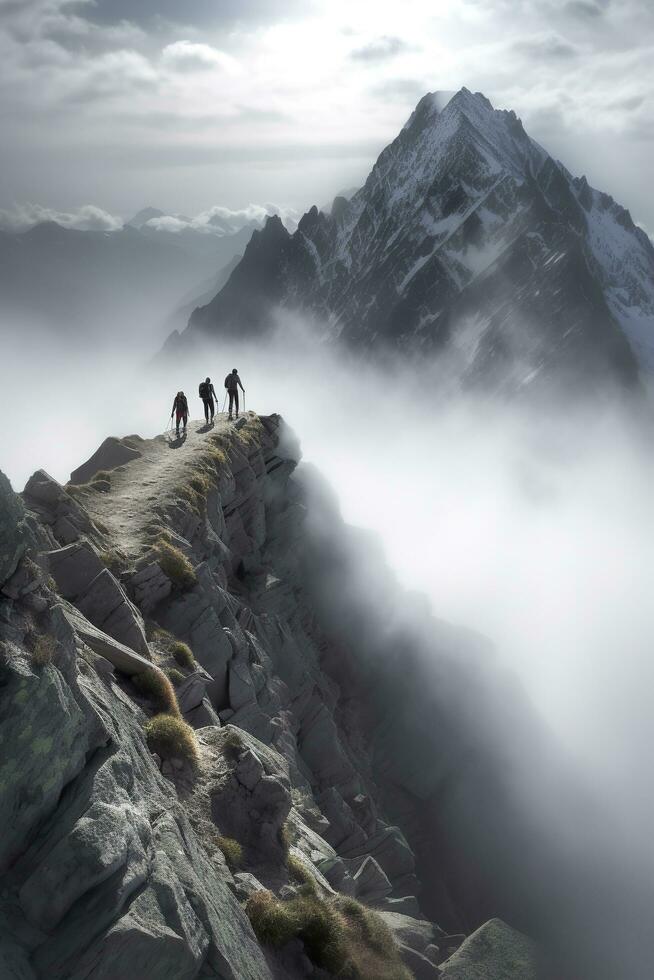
(12, 542)
(119, 860)
(467, 239)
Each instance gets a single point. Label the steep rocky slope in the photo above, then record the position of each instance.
(467, 237)
(123, 853)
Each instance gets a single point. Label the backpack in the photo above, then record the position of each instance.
(203, 390)
(230, 382)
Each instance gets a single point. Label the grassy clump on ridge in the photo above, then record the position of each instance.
(154, 685)
(175, 676)
(232, 852)
(172, 738)
(175, 565)
(340, 936)
(183, 655)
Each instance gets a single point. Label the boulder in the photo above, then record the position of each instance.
(73, 568)
(12, 530)
(124, 659)
(191, 691)
(494, 952)
(106, 605)
(203, 715)
(112, 453)
(370, 882)
(421, 967)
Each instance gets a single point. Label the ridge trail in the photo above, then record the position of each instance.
(141, 488)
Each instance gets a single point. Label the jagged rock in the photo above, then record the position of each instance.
(191, 691)
(12, 530)
(202, 715)
(390, 849)
(370, 882)
(494, 952)
(149, 587)
(74, 567)
(112, 453)
(56, 508)
(252, 800)
(240, 686)
(122, 657)
(421, 967)
(106, 605)
(246, 885)
(406, 905)
(343, 832)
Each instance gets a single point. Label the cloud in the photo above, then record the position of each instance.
(402, 89)
(86, 218)
(380, 49)
(551, 47)
(220, 220)
(191, 56)
(585, 8)
(158, 13)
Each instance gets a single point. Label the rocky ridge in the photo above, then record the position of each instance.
(190, 562)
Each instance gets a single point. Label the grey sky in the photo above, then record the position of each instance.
(118, 104)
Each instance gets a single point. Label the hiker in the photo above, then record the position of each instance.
(233, 383)
(207, 393)
(180, 409)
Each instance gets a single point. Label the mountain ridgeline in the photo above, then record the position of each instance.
(467, 238)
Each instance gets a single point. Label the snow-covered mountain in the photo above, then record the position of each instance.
(467, 237)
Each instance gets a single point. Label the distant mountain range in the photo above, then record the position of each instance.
(467, 238)
(87, 285)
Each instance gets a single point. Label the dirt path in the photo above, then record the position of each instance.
(144, 485)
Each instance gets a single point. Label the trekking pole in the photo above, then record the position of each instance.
(224, 403)
(243, 402)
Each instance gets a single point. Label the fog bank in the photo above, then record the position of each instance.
(533, 529)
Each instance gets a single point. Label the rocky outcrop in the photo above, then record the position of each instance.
(112, 453)
(493, 952)
(12, 539)
(120, 860)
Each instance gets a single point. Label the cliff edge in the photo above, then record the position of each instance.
(200, 774)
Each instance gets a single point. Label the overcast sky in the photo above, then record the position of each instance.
(185, 105)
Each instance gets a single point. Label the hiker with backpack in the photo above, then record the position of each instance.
(207, 393)
(180, 410)
(232, 384)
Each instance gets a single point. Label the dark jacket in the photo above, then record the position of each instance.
(233, 382)
(180, 405)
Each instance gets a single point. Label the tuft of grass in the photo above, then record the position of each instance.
(344, 938)
(232, 852)
(101, 476)
(172, 738)
(43, 649)
(217, 455)
(299, 872)
(175, 676)
(250, 433)
(154, 685)
(175, 565)
(183, 655)
(157, 633)
(201, 483)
